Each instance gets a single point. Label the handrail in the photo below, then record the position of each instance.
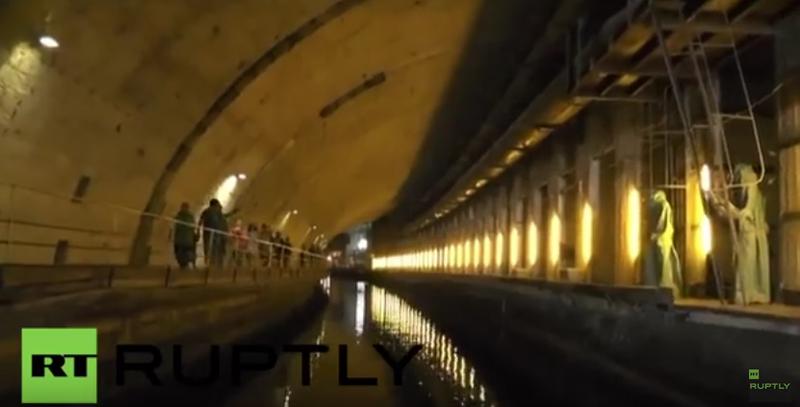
(136, 212)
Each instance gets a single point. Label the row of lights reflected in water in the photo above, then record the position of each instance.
(395, 317)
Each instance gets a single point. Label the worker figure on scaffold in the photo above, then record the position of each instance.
(751, 254)
(662, 265)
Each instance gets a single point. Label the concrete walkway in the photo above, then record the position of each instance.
(147, 315)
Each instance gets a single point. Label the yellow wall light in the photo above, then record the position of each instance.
(533, 244)
(706, 242)
(586, 233)
(634, 223)
(554, 240)
(476, 252)
(487, 251)
(514, 249)
(498, 250)
(705, 178)
(467, 253)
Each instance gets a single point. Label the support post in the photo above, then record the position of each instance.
(788, 106)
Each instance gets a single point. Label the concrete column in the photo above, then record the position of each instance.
(788, 71)
(462, 237)
(554, 244)
(488, 234)
(695, 262)
(517, 221)
(627, 135)
(501, 231)
(789, 175)
(533, 260)
(589, 174)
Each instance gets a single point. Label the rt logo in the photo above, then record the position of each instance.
(59, 366)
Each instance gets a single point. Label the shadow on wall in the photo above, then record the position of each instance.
(500, 40)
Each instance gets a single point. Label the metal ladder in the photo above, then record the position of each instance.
(696, 53)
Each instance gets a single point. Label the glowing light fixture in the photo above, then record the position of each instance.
(705, 235)
(586, 233)
(634, 223)
(224, 193)
(476, 253)
(459, 255)
(242, 176)
(48, 42)
(705, 178)
(533, 244)
(513, 251)
(467, 253)
(498, 250)
(362, 244)
(487, 251)
(554, 240)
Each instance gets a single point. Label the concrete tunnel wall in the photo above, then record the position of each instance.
(597, 160)
(132, 79)
(603, 158)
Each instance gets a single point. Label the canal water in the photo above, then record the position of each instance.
(360, 315)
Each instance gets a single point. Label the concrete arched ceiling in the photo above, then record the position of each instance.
(131, 79)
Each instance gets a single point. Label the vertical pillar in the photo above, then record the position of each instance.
(789, 257)
(517, 221)
(590, 197)
(476, 237)
(630, 195)
(487, 238)
(553, 230)
(501, 230)
(788, 66)
(533, 226)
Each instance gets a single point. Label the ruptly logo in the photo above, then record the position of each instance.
(59, 366)
(766, 390)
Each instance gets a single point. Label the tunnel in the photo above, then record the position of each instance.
(400, 202)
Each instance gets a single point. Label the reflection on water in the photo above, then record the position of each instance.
(360, 315)
(360, 308)
(408, 326)
(325, 283)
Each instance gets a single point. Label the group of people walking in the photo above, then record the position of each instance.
(250, 245)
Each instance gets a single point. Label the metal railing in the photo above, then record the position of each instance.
(41, 227)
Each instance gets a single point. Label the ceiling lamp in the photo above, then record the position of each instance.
(48, 41)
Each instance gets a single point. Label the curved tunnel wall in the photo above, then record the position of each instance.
(131, 80)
